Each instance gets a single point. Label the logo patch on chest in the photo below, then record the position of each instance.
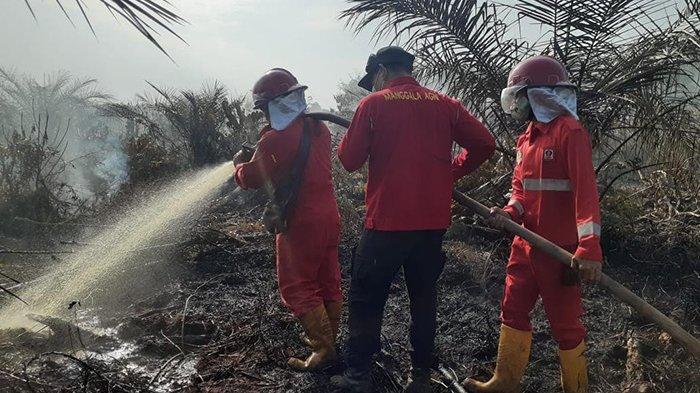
(548, 154)
(518, 156)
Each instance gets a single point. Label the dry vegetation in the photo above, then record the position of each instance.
(636, 65)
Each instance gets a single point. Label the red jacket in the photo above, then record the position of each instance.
(274, 158)
(554, 186)
(407, 132)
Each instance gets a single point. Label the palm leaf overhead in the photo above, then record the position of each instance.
(146, 16)
(449, 36)
(635, 62)
(461, 46)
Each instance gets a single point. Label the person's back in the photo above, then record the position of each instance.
(316, 199)
(408, 132)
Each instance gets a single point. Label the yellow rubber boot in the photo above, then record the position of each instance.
(513, 355)
(574, 369)
(317, 327)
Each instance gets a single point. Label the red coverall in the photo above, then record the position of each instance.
(411, 170)
(307, 253)
(554, 195)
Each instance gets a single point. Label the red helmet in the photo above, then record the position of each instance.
(539, 71)
(273, 84)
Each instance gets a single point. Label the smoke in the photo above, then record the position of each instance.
(114, 168)
(65, 109)
(101, 164)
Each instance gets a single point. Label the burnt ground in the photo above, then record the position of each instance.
(222, 326)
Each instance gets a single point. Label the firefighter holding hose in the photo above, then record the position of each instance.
(406, 132)
(554, 194)
(293, 158)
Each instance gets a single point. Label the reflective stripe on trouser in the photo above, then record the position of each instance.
(531, 274)
(308, 272)
(546, 184)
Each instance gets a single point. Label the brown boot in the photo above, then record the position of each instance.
(334, 311)
(318, 329)
(513, 355)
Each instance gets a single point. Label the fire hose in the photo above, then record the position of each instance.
(648, 311)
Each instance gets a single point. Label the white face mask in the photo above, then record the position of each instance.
(548, 103)
(283, 110)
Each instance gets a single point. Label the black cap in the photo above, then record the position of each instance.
(386, 55)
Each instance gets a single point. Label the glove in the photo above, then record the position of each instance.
(590, 271)
(497, 219)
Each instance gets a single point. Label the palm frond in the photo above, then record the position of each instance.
(146, 16)
(580, 29)
(455, 41)
(636, 62)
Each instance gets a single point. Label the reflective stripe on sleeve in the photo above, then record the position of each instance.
(588, 228)
(517, 205)
(546, 184)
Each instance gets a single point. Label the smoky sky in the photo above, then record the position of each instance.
(230, 41)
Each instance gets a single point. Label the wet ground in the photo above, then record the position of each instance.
(221, 326)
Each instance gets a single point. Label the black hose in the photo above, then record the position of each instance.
(325, 116)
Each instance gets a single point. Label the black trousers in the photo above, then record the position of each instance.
(379, 256)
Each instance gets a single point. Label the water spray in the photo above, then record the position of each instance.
(99, 266)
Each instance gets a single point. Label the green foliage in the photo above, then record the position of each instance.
(348, 97)
(65, 100)
(149, 161)
(198, 128)
(69, 104)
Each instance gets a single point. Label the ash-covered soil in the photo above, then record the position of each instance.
(222, 326)
(238, 293)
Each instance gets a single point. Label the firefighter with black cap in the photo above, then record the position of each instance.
(406, 132)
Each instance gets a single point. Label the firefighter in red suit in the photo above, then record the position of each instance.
(307, 251)
(554, 194)
(406, 133)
